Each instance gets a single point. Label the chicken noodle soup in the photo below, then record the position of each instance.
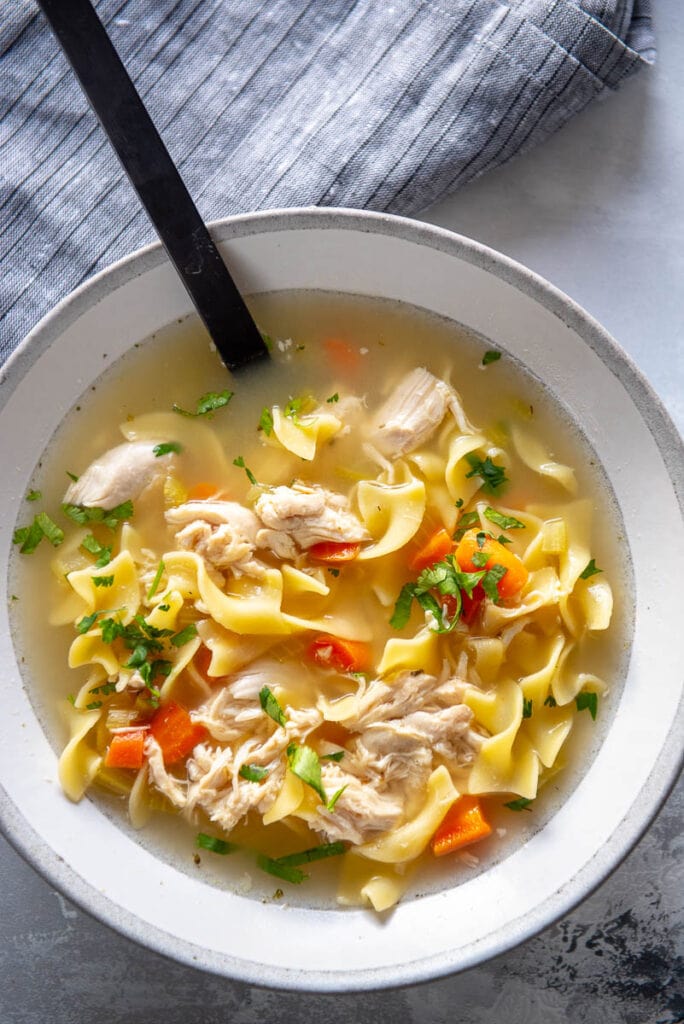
(347, 612)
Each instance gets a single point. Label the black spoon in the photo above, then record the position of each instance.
(154, 176)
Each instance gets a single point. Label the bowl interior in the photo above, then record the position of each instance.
(82, 851)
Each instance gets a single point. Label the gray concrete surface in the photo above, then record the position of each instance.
(599, 211)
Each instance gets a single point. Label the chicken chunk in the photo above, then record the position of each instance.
(412, 413)
(120, 474)
(223, 533)
(301, 516)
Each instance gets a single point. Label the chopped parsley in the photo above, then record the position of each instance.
(503, 540)
(334, 572)
(467, 520)
(587, 702)
(550, 702)
(266, 421)
(267, 340)
(94, 705)
(303, 762)
(591, 569)
(293, 409)
(337, 756)
(184, 635)
(105, 689)
(72, 476)
(86, 623)
(492, 356)
(479, 559)
(103, 581)
(333, 398)
(493, 476)
(167, 447)
(330, 806)
(240, 463)
(490, 581)
(521, 804)
(207, 404)
(502, 521)
(273, 867)
(253, 772)
(214, 845)
(527, 708)
(102, 554)
(157, 580)
(34, 496)
(270, 705)
(111, 518)
(29, 537)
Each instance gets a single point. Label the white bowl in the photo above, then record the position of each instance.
(79, 850)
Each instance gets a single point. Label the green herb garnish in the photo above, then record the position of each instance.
(34, 496)
(467, 520)
(111, 518)
(321, 852)
(273, 867)
(502, 521)
(521, 804)
(167, 447)
(590, 570)
(214, 845)
(240, 463)
(550, 702)
(270, 705)
(105, 689)
(490, 357)
(266, 421)
(527, 708)
(267, 340)
(303, 762)
(493, 476)
(459, 503)
(207, 404)
(184, 635)
(337, 756)
(490, 582)
(157, 580)
(479, 559)
(103, 581)
(253, 772)
(102, 554)
(333, 398)
(334, 572)
(94, 705)
(29, 537)
(587, 702)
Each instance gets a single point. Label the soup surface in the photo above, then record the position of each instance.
(339, 624)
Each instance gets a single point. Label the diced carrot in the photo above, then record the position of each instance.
(202, 492)
(332, 551)
(516, 573)
(126, 749)
(463, 824)
(436, 548)
(175, 732)
(342, 356)
(344, 655)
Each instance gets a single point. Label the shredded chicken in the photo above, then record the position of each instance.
(412, 413)
(398, 731)
(120, 474)
(302, 515)
(223, 533)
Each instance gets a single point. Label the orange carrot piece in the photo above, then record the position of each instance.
(175, 732)
(126, 749)
(516, 573)
(435, 549)
(334, 551)
(463, 824)
(202, 492)
(344, 655)
(342, 356)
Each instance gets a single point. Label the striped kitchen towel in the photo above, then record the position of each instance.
(270, 103)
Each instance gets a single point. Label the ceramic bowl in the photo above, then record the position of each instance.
(99, 866)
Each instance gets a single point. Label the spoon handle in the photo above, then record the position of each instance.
(155, 178)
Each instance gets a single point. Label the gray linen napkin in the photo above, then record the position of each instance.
(387, 105)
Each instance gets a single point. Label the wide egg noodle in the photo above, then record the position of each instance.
(197, 440)
(303, 435)
(460, 486)
(80, 761)
(392, 510)
(407, 841)
(420, 652)
(535, 456)
(506, 761)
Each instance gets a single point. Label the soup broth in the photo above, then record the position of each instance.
(317, 668)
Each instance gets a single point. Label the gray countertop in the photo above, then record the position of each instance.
(599, 211)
